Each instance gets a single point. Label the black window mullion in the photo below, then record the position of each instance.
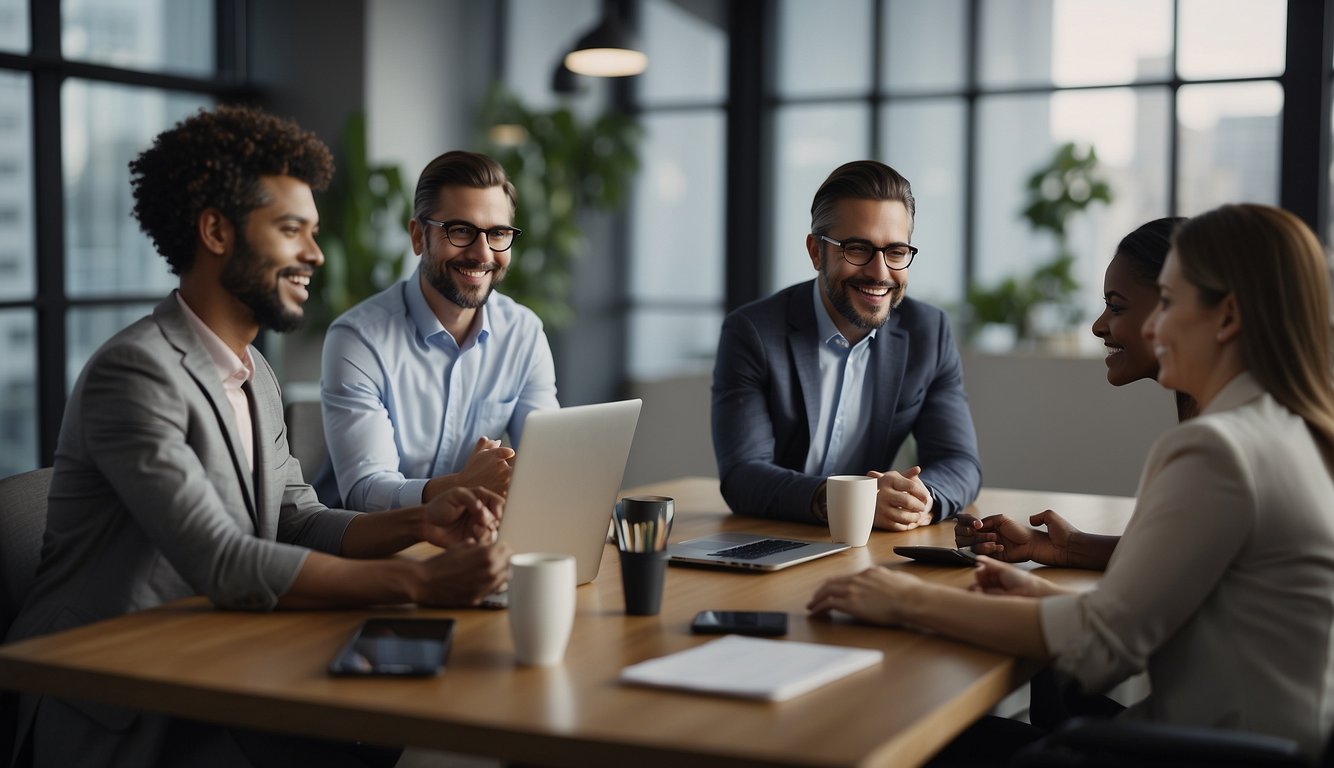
(1304, 149)
(746, 235)
(877, 99)
(49, 196)
(972, 69)
(1173, 130)
(229, 27)
(49, 70)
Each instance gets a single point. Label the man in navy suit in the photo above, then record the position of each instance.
(830, 376)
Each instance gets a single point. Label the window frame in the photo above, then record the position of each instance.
(1304, 154)
(48, 70)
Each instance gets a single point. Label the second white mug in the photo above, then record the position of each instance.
(541, 606)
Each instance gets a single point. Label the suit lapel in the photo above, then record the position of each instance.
(263, 460)
(197, 363)
(803, 344)
(889, 361)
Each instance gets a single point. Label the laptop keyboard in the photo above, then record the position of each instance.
(758, 549)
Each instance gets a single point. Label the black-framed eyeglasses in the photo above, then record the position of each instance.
(462, 234)
(859, 252)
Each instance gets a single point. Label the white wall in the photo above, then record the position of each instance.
(1054, 423)
(428, 67)
(1043, 422)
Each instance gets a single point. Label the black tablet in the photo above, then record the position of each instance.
(396, 647)
(939, 555)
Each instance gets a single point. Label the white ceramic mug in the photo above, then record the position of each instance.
(851, 504)
(541, 606)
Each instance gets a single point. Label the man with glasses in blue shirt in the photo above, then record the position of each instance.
(831, 376)
(420, 382)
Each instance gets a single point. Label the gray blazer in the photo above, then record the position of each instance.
(766, 394)
(151, 500)
(1222, 586)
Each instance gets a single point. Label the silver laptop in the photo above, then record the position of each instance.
(749, 551)
(567, 474)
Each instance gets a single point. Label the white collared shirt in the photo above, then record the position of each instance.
(838, 438)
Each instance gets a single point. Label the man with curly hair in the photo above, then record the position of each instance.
(172, 475)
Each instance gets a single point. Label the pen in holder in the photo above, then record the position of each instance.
(642, 525)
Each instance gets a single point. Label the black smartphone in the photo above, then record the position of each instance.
(397, 647)
(939, 555)
(770, 623)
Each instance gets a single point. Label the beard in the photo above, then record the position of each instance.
(840, 296)
(246, 276)
(439, 276)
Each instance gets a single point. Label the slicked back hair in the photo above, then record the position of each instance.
(859, 180)
(459, 169)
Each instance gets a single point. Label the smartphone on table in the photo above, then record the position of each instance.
(769, 623)
(395, 647)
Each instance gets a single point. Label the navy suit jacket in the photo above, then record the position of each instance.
(765, 396)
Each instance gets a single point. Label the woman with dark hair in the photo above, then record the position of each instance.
(1222, 586)
(1130, 292)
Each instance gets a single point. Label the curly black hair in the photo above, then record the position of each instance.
(215, 160)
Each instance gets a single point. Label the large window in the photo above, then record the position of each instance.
(84, 86)
(1183, 101)
(676, 248)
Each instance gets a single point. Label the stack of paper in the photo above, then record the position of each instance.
(752, 667)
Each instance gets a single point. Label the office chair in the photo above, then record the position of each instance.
(1103, 743)
(305, 436)
(22, 523)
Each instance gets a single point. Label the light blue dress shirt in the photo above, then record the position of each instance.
(839, 432)
(404, 402)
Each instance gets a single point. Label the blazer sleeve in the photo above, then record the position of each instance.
(1194, 510)
(751, 481)
(946, 439)
(302, 519)
(137, 426)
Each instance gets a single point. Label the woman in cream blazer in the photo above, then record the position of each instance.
(1222, 586)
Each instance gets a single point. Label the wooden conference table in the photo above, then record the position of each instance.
(268, 670)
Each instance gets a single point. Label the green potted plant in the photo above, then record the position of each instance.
(1066, 186)
(363, 229)
(560, 165)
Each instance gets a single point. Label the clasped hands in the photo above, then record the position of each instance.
(463, 522)
(490, 466)
(902, 502)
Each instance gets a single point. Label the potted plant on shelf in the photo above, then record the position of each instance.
(1066, 186)
(363, 229)
(560, 166)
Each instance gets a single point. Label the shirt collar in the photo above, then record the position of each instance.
(824, 323)
(232, 370)
(429, 326)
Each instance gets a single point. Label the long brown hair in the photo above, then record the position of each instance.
(1275, 267)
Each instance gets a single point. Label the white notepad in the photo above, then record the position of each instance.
(752, 667)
